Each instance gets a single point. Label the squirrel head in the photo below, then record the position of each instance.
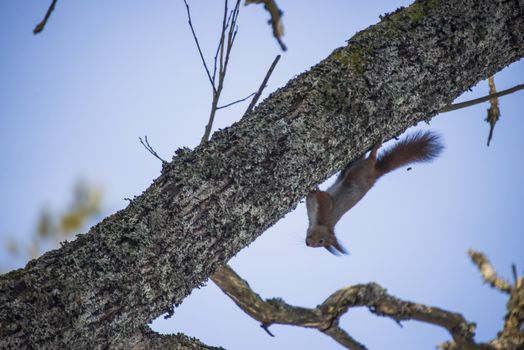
(324, 236)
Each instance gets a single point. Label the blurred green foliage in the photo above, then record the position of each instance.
(54, 227)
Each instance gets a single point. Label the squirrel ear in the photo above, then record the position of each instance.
(335, 247)
(340, 248)
(374, 149)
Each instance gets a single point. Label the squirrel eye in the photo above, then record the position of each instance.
(321, 241)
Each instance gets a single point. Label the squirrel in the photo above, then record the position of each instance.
(325, 208)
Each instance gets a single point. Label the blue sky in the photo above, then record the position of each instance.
(75, 99)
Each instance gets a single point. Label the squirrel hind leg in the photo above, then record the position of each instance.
(374, 149)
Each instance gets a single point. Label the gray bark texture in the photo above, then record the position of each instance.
(99, 290)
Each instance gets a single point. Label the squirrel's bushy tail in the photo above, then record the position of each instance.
(418, 147)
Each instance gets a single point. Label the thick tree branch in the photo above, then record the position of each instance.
(209, 203)
(147, 339)
(325, 316)
(512, 336)
(513, 332)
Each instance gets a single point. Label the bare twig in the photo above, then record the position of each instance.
(150, 149)
(40, 26)
(223, 53)
(237, 101)
(493, 110)
(225, 23)
(198, 46)
(325, 316)
(343, 338)
(233, 28)
(469, 103)
(515, 276)
(262, 86)
(264, 327)
(488, 272)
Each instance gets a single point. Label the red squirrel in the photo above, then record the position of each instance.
(325, 208)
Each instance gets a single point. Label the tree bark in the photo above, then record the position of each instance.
(101, 289)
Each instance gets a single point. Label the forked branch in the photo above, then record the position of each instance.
(221, 59)
(325, 317)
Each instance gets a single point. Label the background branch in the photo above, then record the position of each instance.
(211, 80)
(325, 317)
(40, 26)
(493, 110)
(147, 339)
(488, 272)
(223, 52)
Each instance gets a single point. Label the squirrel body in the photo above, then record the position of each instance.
(325, 208)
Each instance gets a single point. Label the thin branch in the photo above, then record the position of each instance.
(262, 86)
(469, 103)
(233, 28)
(225, 23)
(224, 51)
(488, 272)
(40, 26)
(264, 327)
(198, 46)
(325, 316)
(212, 113)
(343, 338)
(237, 101)
(515, 276)
(220, 43)
(150, 149)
